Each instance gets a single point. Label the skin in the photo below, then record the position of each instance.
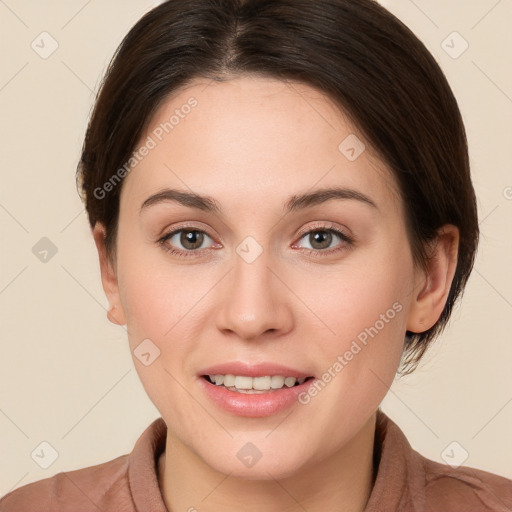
(251, 143)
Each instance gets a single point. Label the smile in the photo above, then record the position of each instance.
(247, 384)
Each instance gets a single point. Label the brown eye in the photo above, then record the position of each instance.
(320, 239)
(183, 241)
(191, 239)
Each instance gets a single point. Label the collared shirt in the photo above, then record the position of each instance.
(405, 482)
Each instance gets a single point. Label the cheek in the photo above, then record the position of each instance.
(359, 346)
(170, 305)
(154, 298)
(362, 314)
(359, 304)
(161, 304)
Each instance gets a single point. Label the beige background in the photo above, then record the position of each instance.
(66, 375)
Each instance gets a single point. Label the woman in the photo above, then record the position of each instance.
(280, 196)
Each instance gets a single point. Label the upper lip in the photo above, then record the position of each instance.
(253, 370)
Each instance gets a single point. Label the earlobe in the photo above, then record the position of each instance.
(116, 316)
(108, 277)
(433, 285)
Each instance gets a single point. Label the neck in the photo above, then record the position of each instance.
(343, 481)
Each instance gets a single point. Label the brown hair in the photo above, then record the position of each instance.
(354, 51)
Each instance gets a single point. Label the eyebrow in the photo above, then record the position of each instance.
(294, 203)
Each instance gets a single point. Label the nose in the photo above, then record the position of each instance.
(256, 301)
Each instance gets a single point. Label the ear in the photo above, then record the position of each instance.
(108, 277)
(433, 285)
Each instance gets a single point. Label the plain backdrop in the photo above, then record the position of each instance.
(66, 375)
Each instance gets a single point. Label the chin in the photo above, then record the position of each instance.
(260, 471)
(242, 459)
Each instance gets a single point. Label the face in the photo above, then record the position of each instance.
(319, 289)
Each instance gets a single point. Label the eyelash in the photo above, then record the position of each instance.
(347, 240)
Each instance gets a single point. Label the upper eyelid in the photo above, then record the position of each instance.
(325, 227)
(173, 232)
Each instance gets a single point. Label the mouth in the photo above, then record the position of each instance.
(255, 385)
(253, 390)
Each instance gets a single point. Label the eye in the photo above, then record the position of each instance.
(320, 239)
(189, 238)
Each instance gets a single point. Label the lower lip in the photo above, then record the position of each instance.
(253, 405)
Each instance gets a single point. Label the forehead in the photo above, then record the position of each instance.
(258, 136)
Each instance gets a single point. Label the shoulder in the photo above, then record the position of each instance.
(101, 487)
(464, 488)
(406, 480)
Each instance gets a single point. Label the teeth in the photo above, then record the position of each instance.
(245, 384)
(229, 380)
(290, 381)
(277, 382)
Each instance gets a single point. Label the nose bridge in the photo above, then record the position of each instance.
(254, 302)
